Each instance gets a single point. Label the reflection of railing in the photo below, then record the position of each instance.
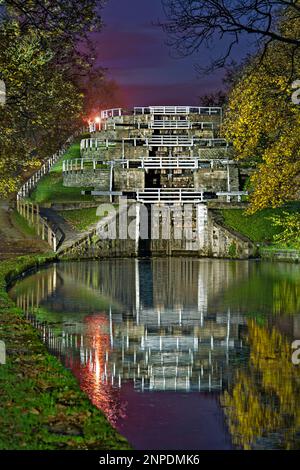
(185, 363)
(158, 348)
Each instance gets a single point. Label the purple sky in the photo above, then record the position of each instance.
(135, 52)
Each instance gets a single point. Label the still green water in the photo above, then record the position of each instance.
(178, 353)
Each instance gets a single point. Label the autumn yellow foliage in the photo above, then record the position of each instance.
(264, 399)
(264, 124)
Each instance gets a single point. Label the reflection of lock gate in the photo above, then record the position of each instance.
(159, 349)
(155, 361)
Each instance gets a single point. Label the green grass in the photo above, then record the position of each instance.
(50, 188)
(258, 227)
(72, 153)
(22, 224)
(81, 219)
(41, 404)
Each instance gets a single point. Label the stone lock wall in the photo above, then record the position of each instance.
(177, 180)
(203, 236)
(212, 152)
(115, 152)
(89, 178)
(207, 237)
(128, 179)
(216, 180)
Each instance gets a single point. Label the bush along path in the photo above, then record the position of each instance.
(41, 404)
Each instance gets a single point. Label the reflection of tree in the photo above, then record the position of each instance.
(286, 297)
(263, 402)
(279, 289)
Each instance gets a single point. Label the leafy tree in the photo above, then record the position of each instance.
(218, 98)
(45, 56)
(289, 224)
(263, 122)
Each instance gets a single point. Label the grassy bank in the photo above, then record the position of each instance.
(258, 227)
(42, 406)
(50, 188)
(81, 219)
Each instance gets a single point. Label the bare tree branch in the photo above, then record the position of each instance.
(193, 23)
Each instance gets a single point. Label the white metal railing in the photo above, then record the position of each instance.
(178, 110)
(232, 195)
(169, 141)
(170, 124)
(175, 124)
(182, 162)
(175, 110)
(169, 163)
(169, 195)
(109, 113)
(154, 141)
(182, 195)
(81, 164)
(211, 142)
(30, 184)
(31, 211)
(183, 141)
(87, 144)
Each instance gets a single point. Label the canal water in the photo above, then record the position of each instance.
(178, 353)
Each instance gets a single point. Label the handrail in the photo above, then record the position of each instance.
(79, 164)
(155, 162)
(108, 113)
(180, 195)
(201, 110)
(30, 211)
(155, 140)
(180, 124)
(178, 110)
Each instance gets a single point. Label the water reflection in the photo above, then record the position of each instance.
(177, 325)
